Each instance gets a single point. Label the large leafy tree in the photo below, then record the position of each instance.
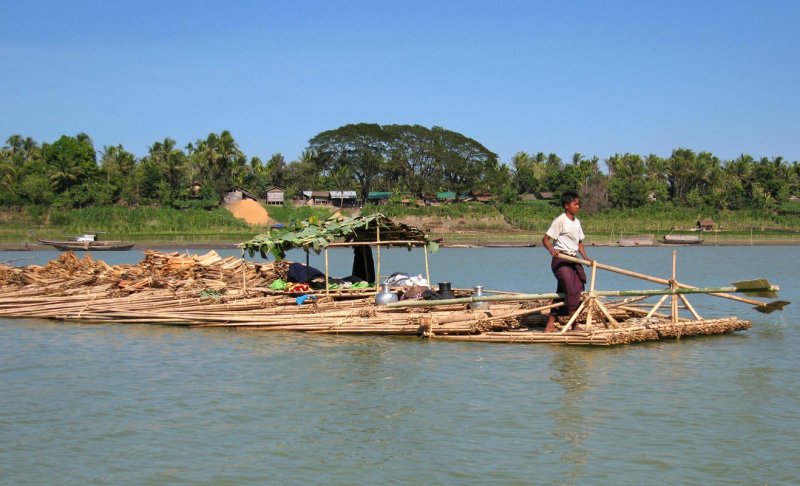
(72, 161)
(411, 160)
(361, 147)
(410, 157)
(464, 163)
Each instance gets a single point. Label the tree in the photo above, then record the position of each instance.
(72, 162)
(525, 178)
(628, 185)
(277, 171)
(411, 162)
(119, 166)
(303, 173)
(680, 173)
(218, 161)
(553, 166)
(464, 163)
(172, 164)
(361, 147)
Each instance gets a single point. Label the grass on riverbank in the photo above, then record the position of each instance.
(518, 224)
(142, 224)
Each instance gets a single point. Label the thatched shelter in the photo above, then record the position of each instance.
(359, 232)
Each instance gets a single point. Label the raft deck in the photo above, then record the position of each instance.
(210, 291)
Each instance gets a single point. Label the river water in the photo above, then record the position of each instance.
(137, 404)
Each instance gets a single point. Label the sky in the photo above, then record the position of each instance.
(590, 77)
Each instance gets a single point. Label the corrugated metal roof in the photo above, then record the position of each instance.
(343, 194)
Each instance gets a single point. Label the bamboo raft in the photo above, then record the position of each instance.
(211, 291)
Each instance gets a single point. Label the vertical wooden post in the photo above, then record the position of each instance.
(673, 286)
(327, 285)
(591, 298)
(427, 271)
(244, 276)
(378, 246)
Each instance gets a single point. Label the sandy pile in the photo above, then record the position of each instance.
(250, 211)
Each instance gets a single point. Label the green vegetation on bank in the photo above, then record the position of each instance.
(148, 224)
(511, 223)
(175, 194)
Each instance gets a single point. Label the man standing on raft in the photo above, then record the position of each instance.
(566, 236)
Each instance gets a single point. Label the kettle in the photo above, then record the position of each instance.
(477, 291)
(386, 296)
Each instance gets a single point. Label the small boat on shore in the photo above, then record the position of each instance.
(641, 240)
(88, 242)
(681, 240)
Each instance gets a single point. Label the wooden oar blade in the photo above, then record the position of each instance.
(771, 307)
(759, 287)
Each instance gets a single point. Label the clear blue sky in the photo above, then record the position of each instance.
(595, 77)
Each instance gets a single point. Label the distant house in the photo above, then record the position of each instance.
(478, 196)
(378, 197)
(344, 199)
(547, 195)
(237, 194)
(317, 198)
(275, 195)
(705, 225)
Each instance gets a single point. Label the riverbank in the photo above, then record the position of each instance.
(456, 243)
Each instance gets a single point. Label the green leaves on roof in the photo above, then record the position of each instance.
(311, 234)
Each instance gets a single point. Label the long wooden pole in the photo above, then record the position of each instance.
(664, 281)
(561, 295)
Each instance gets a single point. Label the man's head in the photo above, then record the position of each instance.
(568, 197)
(571, 203)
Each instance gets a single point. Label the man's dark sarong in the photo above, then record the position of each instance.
(571, 279)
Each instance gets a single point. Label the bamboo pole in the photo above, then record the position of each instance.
(591, 293)
(427, 270)
(663, 281)
(561, 295)
(378, 250)
(327, 274)
(378, 243)
(672, 286)
(658, 304)
(689, 306)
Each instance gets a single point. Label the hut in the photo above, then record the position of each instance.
(316, 198)
(236, 194)
(275, 196)
(344, 199)
(378, 197)
(705, 225)
(360, 232)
